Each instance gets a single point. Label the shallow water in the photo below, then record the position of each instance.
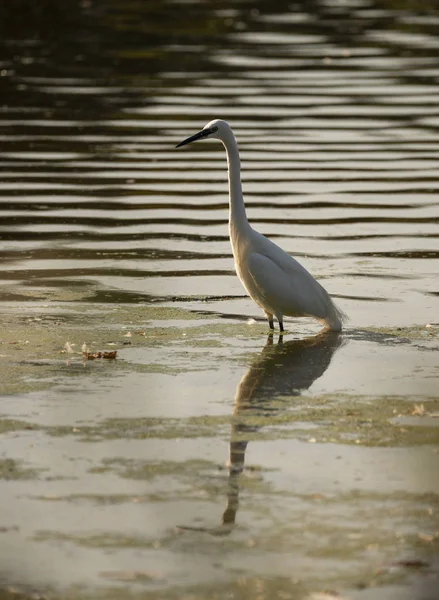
(209, 460)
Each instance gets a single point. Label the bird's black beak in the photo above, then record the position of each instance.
(197, 136)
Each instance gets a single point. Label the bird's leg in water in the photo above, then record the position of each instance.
(270, 321)
(281, 326)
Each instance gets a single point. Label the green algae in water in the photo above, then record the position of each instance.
(105, 540)
(8, 425)
(12, 469)
(408, 334)
(361, 420)
(138, 469)
(145, 428)
(32, 355)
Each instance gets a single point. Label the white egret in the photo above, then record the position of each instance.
(275, 280)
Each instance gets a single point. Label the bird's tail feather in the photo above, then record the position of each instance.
(335, 317)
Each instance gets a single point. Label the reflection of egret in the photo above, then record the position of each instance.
(275, 280)
(281, 370)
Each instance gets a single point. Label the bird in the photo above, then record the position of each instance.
(276, 281)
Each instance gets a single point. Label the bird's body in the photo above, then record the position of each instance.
(272, 278)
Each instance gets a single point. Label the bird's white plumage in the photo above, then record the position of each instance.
(280, 292)
(277, 282)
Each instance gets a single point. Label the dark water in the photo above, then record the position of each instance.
(335, 106)
(105, 228)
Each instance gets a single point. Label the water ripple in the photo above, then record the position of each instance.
(338, 135)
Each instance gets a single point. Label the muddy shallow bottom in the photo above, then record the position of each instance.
(209, 460)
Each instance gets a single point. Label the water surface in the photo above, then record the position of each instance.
(210, 460)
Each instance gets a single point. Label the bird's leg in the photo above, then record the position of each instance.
(270, 321)
(281, 326)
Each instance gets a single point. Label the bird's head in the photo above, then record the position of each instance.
(216, 129)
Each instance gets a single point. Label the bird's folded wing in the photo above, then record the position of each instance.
(290, 292)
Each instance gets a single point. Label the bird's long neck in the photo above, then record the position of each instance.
(237, 216)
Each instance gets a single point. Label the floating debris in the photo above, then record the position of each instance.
(411, 563)
(93, 355)
(68, 347)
